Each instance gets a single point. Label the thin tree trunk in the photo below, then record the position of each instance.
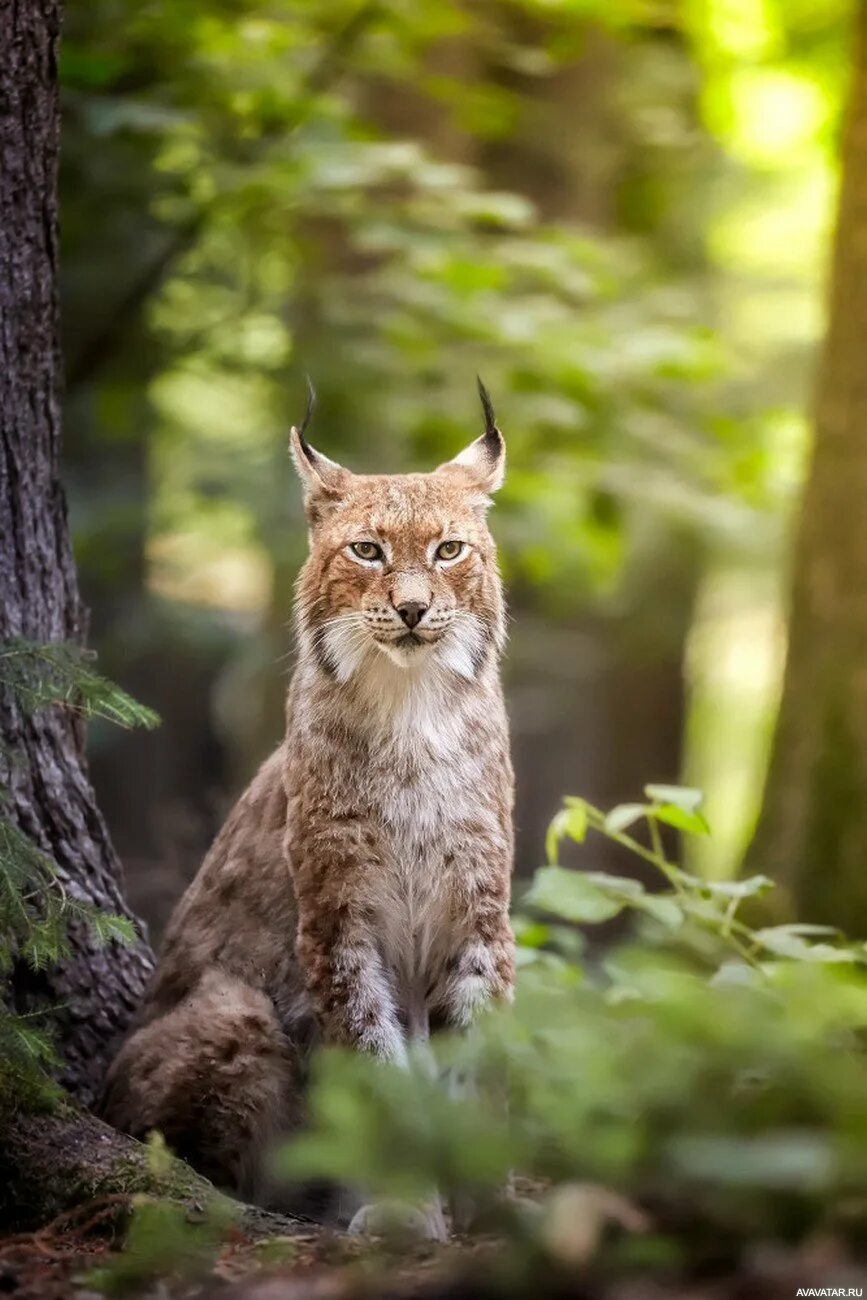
(812, 834)
(41, 763)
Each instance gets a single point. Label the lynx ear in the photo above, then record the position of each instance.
(322, 478)
(483, 462)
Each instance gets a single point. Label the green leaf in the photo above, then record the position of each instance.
(525, 957)
(673, 815)
(571, 895)
(736, 974)
(805, 929)
(633, 894)
(570, 822)
(824, 952)
(704, 909)
(623, 815)
(783, 942)
(568, 941)
(784, 1160)
(663, 909)
(537, 957)
(682, 796)
(530, 934)
(752, 887)
(618, 886)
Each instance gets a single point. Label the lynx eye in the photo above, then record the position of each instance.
(449, 550)
(367, 550)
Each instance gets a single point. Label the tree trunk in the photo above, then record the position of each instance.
(812, 834)
(41, 762)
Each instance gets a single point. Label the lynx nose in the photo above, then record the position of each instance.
(412, 612)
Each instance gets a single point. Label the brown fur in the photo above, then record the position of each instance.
(359, 890)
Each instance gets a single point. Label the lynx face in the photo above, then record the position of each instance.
(401, 566)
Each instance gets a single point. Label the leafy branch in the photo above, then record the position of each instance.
(592, 897)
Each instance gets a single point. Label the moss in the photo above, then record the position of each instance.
(53, 1162)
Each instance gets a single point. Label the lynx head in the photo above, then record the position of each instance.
(401, 566)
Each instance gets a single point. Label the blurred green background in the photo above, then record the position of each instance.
(618, 214)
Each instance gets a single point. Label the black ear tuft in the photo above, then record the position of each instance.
(308, 415)
(484, 461)
(322, 477)
(492, 440)
(488, 408)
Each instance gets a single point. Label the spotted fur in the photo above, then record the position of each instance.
(359, 891)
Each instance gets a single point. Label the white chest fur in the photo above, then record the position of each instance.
(421, 814)
(426, 790)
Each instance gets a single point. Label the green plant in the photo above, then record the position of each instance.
(36, 910)
(712, 1072)
(686, 900)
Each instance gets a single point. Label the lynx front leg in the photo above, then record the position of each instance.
(349, 986)
(334, 864)
(481, 968)
(351, 992)
(481, 973)
(401, 1220)
(356, 1006)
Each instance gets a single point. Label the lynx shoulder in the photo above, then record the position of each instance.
(359, 891)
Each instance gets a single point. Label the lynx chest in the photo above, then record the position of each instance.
(427, 823)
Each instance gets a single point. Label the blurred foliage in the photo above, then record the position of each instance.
(290, 232)
(281, 220)
(712, 1073)
(615, 213)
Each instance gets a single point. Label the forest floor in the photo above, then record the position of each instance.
(77, 1257)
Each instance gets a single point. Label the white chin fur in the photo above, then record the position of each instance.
(414, 656)
(349, 647)
(456, 652)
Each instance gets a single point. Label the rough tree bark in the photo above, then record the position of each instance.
(812, 834)
(42, 765)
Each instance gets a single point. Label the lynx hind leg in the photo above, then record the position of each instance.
(216, 1075)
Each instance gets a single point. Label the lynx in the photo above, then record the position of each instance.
(359, 890)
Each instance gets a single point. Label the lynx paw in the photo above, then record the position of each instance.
(397, 1219)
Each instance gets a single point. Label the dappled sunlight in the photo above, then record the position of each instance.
(184, 567)
(734, 664)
